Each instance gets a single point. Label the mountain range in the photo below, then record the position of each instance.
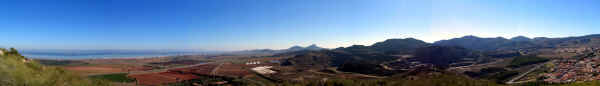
(312, 47)
(408, 45)
(520, 42)
(443, 53)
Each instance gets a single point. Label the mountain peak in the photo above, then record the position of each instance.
(399, 45)
(520, 38)
(412, 40)
(470, 37)
(310, 47)
(296, 47)
(314, 47)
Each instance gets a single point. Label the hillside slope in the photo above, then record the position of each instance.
(16, 70)
(520, 42)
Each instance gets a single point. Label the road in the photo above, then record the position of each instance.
(475, 65)
(512, 81)
(214, 71)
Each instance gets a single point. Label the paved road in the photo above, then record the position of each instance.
(476, 65)
(512, 81)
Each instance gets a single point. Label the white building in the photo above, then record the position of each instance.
(264, 70)
(252, 62)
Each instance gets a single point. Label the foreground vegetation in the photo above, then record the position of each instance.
(418, 80)
(16, 70)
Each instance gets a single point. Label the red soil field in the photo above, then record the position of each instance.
(100, 69)
(233, 70)
(205, 69)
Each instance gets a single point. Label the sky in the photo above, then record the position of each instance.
(279, 24)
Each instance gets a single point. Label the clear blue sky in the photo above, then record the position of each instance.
(277, 24)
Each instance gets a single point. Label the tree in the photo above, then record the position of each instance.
(3, 51)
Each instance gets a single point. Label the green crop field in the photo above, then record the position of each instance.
(117, 77)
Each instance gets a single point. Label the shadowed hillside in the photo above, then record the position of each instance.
(398, 46)
(350, 62)
(443, 56)
(520, 42)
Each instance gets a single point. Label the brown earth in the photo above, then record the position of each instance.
(95, 69)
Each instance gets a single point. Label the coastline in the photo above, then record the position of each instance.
(102, 57)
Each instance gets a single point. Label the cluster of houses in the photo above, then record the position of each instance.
(571, 70)
(576, 50)
(252, 62)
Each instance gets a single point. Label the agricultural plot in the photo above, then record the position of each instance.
(118, 77)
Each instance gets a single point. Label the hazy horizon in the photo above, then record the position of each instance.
(208, 50)
(228, 25)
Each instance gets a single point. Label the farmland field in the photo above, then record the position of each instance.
(117, 77)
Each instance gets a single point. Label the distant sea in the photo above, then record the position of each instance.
(39, 56)
(107, 54)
